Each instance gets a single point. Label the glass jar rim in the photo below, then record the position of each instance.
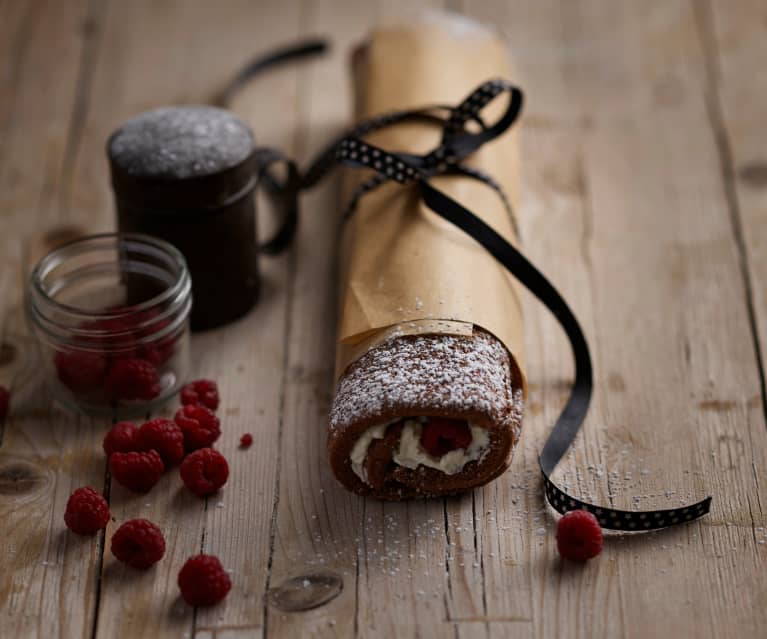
(56, 256)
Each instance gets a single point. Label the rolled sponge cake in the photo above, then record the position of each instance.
(468, 379)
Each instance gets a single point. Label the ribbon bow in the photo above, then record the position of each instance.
(456, 145)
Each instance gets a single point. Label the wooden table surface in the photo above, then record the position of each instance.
(645, 200)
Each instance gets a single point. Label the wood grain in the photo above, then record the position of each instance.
(249, 357)
(733, 43)
(49, 585)
(623, 163)
(644, 201)
(207, 48)
(315, 521)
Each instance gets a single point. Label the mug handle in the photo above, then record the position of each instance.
(284, 195)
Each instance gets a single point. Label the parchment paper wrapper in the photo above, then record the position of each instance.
(430, 326)
(403, 269)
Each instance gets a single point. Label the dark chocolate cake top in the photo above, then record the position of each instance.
(445, 372)
(181, 142)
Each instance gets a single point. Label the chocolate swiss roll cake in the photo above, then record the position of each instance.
(430, 389)
(426, 415)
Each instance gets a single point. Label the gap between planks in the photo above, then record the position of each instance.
(704, 21)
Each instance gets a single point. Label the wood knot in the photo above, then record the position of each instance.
(7, 353)
(616, 383)
(61, 235)
(718, 405)
(306, 592)
(754, 174)
(19, 477)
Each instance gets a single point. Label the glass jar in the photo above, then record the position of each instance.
(111, 316)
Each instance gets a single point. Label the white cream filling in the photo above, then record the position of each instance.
(360, 450)
(410, 454)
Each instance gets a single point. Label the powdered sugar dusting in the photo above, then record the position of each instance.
(445, 372)
(181, 142)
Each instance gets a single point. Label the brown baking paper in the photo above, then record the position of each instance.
(404, 270)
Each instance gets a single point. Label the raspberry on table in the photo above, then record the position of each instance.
(201, 391)
(80, 371)
(121, 438)
(203, 581)
(579, 536)
(246, 440)
(87, 511)
(138, 543)
(138, 471)
(5, 402)
(132, 378)
(201, 427)
(204, 471)
(164, 436)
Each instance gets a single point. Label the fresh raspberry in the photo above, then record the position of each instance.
(164, 436)
(203, 581)
(132, 378)
(137, 471)
(87, 511)
(149, 354)
(138, 543)
(204, 471)
(80, 371)
(201, 391)
(201, 427)
(117, 333)
(5, 402)
(112, 337)
(165, 348)
(440, 435)
(158, 351)
(121, 438)
(246, 440)
(579, 536)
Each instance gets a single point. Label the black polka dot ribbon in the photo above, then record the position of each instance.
(456, 145)
(625, 519)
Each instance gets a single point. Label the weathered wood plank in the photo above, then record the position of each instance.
(50, 578)
(179, 53)
(49, 45)
(734, 45)
(250, 357)
(625, 210)
(316, 523)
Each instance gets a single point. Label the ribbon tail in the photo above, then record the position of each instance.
(569, 422)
